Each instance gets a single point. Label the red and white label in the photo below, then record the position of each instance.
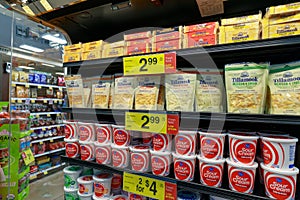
(136, 197)
(273, 156)
(85, 132)
(72, 150)
(211, 175)
(119, 158)
(103, 134)
(99, 189)
(280, 187)
(121, 137)
(211, 148)
(86, 152)
(140, 161)
(147, 138)
(70, 131)
(103, 155)
(160, 142)
(242, 151)
(160, 165)
(185, 144)
(241, 180)
(116, 182)
(184, 169)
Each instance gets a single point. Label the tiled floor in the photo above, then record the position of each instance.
(48, 188)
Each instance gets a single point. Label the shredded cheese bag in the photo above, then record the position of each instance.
(246, 87)
(210, 91)
(146, 93)
(100, 94)
(180, 91)
(75, 91)
(124, 92)
(111, 95)
(284, 85)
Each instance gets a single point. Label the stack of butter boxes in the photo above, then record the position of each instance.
(114, 49)
(283, 20)
(72, 53)
(138, 43)
(167, 39)
(92, 50)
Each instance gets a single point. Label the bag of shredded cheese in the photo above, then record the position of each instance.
(284, 86)
(146, 93)
(246, 87)
(100, 94)
(210, 91)
(75, 92)
(180, 91)
(124, 92)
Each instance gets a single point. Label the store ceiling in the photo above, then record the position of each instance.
(94, 19)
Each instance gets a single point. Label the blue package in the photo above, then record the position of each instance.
(31, 78)
(37, 78)
(43, 79)
(188, 195)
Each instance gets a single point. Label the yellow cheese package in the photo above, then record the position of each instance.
(180, 91)
(246, 85)
(210, 91)
(284, 86)
(146, 93)
(242, 19)
(15, 76)
(124, 92)
(72, 47)
(91, 55)
(75, 92)
(23, 77)
(93, 46)
(72, 57)
(281, 30)
(100, 94)
(286, 9)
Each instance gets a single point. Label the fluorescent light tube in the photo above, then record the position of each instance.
(54, 39)
(60, 73)
(31, 48)
(25, 67)
(48, 65)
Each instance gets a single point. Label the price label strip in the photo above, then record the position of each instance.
(149, 187)
(150, 64)
(27, 156)
(152, 122)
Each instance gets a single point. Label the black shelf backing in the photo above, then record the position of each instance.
(181, 184)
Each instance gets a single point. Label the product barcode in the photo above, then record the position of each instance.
(292, 152)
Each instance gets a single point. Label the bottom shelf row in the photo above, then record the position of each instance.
(135, 184)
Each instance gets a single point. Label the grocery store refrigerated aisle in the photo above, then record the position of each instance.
(48, 188)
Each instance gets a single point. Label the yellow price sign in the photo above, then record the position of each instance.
(39, 87)
(55, 101)
(152, 122)
(27, 85)
(33, 177)
(27, 156)
(149, 187)
(150, 64)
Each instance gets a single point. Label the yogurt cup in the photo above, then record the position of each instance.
(71, 130)
(184, 167)
(86, 132)
(162, 142)
(119, 197)
(72, 148)
(212, 145)
(120, 156)
(160, 163)
(242, 147)
(102, 185)
(279, 151)
(211, 171)
(103, 153)
(185, 143)
(85, 196)
(71, 194)
(241, 177)
(86, 185)
(71, 173)
(188, 195)
(140, 157)
(280, 184)
(121, 137)
(147, 138)
(101, 198)
(132, 196)
(116, 183)
(103, 133)
(87, 151)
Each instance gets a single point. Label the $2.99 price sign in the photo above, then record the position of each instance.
(152, 122)
(149, 187)
(150, 64)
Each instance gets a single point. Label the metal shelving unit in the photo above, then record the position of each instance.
(45, 113)
(47, 127)
(49, 152)
(47, 139)
(46, 171)
(37, 85)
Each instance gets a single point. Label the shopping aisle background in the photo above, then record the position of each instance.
(49, 188)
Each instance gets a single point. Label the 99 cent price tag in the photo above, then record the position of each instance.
(152, 122)
(150, 64)
(149, 187)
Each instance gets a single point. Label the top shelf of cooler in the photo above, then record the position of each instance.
(259, 50)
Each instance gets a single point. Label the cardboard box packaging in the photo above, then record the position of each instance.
(92, 46)
(281, 30)
(138, 36)
(166, 45)
(167, 34)
(113, 52)
(72, 57)
(72, 47)
(114, 45)
(90, 55)
(206, 40)
(138, 47)
(209, 28)
(287, 9)
(242, 20)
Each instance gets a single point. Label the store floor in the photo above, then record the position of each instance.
(48, 188)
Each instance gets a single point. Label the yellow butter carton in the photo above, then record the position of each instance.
(72, 47)
(92, 46)
(281, 30)
(114, 45)
(287, 9)
(91, 55)
(72, 57)
(280, 19)
(113, 52)
(240, 33)
(242, 19)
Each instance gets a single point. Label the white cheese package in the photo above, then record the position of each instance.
(146, 93)
(284, 89)
(180, 91)
(124, 92)
(75, 92)
(246, 85)
(210, 93)
(100, 95)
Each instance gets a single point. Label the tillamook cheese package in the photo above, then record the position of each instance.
(180, 91)
(246, 87)
(146, 93)
(100, 94)
(284, 85)
(75, 91)
(210, 91)
(124, 92)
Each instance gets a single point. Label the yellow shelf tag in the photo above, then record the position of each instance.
(55, 101)
(46, 5)
(43, 129)
(45, 172)
(45, 101)
(13, 101)
(48, 115)
(39, 87)
(50, 88)
(20, 101)
(41, 143)
(27, 85)
(152, 122)
(150, 64)
(27, 156)
(33, 177)
(51, 140)
(32, 101)
(13, 85)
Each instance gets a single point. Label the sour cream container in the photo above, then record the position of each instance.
(185, 143)
(184, 167)
(212, 144)
(160, 163)
(72, 148)
(71, 173)
(103, 133)
(87, 150)
(121, 137)
(103, 153)
(71, 130)
(86, 132)
(162, 142)
(140, 157)
(120, 156)
(86, 185)
(102, 185)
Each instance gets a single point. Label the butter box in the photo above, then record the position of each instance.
(92, 46)
(166, 45)
(72, 47)
(239, 33)
(114, 45)
(138, 47)
(292, 8)
(280, 19)
(209, 28)
(91, 55)
(242, 19)
(138, 36)
(206, 40)
(168, 34)
(113, 52)
(281, 30)
(72, 57)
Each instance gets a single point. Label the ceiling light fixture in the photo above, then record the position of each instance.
(48, 65)
(60, 73)
(31, 48)
(120, 4)
(52, 38)
(25, 67)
